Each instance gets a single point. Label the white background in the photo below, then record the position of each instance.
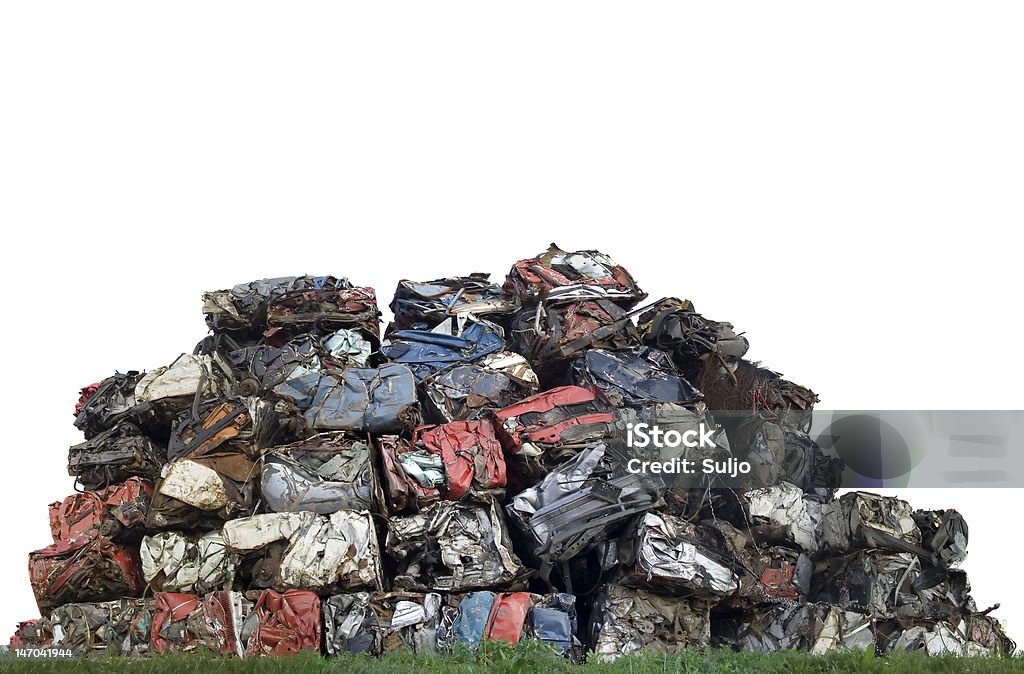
(843, 184)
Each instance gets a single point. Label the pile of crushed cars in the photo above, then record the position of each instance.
(299, 483)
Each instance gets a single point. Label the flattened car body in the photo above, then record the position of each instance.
(431, 302)
(669, 553)
(327, 308)
(286, 623)
(674, 326)
(336, 552)
(818, 628)
(557, 275)
(551, 336)
(219, 622)
(380, 623)
(626, 621)
(371, 400)
(115, 455)
(553, 425)
(580, 501)
(118, 511)
(453, 546)
(322, 474)
(108, 402)
(427, 351)
(633, 376)
(86, 569)
(472, 391)
(863, 520)
(119, 627)
(471, 454)
(175, 562)
(243, 308)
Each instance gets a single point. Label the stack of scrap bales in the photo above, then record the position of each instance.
(302, 482)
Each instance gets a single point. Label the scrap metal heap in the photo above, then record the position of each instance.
(298, 483)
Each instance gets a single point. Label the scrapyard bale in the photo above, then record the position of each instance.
(302, 483)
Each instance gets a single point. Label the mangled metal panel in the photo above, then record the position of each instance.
(222, 427)
(668, 555)
(327, 309)
(553, 621)
(268, 365)
(191, 494)
(104, 404)
(957, 637)
(467, 620)
(551, 336)
(550, 427)
(864, 520)
(176, 622)
(869, 580)
(117, 628)
(119, 511)
(427, 351)
(786, 505)
(674, 326)
(84, 570)
(625, 621)
(371, 400)
(779, 454)
(115, 455)
(453, 546)
(214, 468)
(227, 622)
(33, 633)
(771, 569)
(934, 593)
(431, 302)
(987, 632)
(218, 621)
(243, 308)
(580, 501)
(560, 276)
(414, 477)
(470, 627)
(176, 562)
(339, 552)
(633, 376)
(322, 474)
(380, 623)
(944, 532)
(750, 387)
(818, 628)
(471, 454)
(169, 391)
(467, 392)
(286, 623)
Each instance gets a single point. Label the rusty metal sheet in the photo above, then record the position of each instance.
(286, 623)
(84, 570)
(116, 512)
(470, 453)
